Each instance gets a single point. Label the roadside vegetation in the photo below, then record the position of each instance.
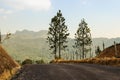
(82, 47)
(102, 61)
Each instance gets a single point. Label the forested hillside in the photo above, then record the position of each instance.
(33, 45)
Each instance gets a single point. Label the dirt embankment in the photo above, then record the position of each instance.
(110, 52)
(7, 65)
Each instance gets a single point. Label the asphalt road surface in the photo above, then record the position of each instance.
(68, 72)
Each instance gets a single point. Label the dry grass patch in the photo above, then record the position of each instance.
(8, 66)
(103, 61)
(7, 74)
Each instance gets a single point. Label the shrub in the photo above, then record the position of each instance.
(27, 61)
(40, 61)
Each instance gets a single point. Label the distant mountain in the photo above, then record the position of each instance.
(31, 34)
(29, 44)
(108, 42)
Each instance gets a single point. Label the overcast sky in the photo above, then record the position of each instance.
(102, 16)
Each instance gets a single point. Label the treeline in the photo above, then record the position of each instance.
(58, 34)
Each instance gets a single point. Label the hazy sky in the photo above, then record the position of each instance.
(102, 16)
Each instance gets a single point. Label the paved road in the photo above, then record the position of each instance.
(68, 72)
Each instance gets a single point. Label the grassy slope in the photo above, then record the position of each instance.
(7, 65)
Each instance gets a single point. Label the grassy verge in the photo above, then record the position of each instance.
(103, 61)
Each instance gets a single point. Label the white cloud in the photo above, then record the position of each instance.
(28, 4)
(4, 11)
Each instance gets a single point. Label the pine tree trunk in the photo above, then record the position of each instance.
(59, 51)
(59, 47)
(76, 56)
(55, 50)
(55, 45)
(90, 52)
(73, 56)
(83, 44)
(83, 50)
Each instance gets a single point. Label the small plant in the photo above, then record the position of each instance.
(7, 36)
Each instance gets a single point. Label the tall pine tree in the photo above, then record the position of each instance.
(57, 34)
(83, 39)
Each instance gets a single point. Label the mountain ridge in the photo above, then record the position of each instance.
(30, 44)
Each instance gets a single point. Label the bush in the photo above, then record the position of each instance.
(27, 61)
(40, 61)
